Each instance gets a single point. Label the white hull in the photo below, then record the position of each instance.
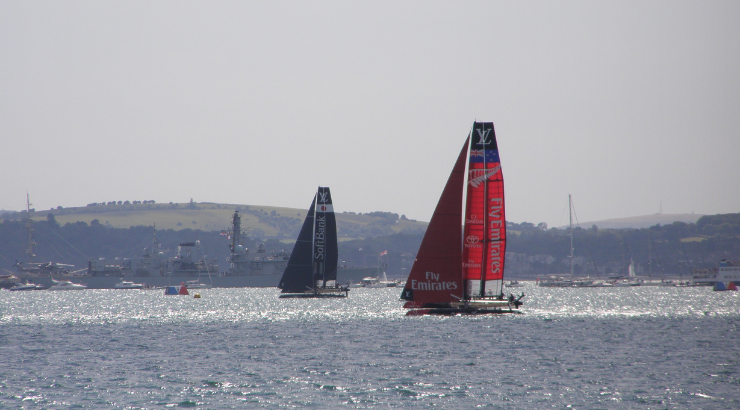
(67, 286)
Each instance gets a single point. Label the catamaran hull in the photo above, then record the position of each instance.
(339, 292)
(313, 295)
(461, 311)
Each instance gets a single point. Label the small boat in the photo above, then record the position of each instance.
(623, 283)
(312, 267)
(379, 282)
(631, 276)
(8, 281)
(124, 284)
(197, 284)
(463, 274)
(586, 282)
(371, 283)
(657, 283)
(66, 285)
(26, 286)
(514, 284)
(555, 282)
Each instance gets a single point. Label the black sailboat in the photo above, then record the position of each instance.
(312, 267)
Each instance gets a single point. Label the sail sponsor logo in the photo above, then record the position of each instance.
(484, 135)
(478, 176)
(319, 238)
(494, 234)
(495, 257)
(471, 264)
(472, 241)
(473, 220)
(323, 198)
(432, 283)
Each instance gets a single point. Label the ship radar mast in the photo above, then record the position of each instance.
(236, 227)
(29, 249)
(236, 232)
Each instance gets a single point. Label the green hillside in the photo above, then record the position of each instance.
(262, 221)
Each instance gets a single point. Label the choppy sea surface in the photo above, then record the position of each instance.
(587, 348)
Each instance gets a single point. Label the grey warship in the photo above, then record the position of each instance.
(191, 264)
(155, 270)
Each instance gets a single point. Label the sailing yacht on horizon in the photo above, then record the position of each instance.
(570, 281)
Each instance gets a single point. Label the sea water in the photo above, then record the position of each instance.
(588, 348)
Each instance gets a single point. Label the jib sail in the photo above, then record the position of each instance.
(298, 275)
(436, 275)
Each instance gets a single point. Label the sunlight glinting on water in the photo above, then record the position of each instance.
(263, 304)
(630, 301)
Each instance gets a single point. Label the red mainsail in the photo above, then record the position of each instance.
(436, 276)
(484, 235)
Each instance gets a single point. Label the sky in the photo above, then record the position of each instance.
(633, 107)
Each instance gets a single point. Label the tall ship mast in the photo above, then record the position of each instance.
(570, 224)
(31, 243)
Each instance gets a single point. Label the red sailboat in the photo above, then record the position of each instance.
(459, 268)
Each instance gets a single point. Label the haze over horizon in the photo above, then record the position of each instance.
(629, 106)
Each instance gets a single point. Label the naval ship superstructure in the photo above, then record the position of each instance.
(189, 264)
(241, 264)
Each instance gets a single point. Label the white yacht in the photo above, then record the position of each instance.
(26, 286)
(66, 285)
(379, 282)
(514, 284)
(197, 284)
(124, 284)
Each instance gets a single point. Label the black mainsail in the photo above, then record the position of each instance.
(312, 267)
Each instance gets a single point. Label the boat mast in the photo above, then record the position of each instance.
(650, 258)
(570, 218)
(29, 249)
(486, 240)
(316, 266)
(464, 207)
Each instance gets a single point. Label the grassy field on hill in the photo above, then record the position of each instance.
(262, 221)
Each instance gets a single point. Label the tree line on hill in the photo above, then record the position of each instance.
(532, 250)
(672, 249)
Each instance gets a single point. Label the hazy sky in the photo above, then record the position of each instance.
(625, 104)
